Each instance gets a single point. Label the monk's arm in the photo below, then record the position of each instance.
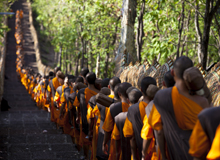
(146, 144)
(107, 137)
(161, 141)
(118, 148)
(133, 148)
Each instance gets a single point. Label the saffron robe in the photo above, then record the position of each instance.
(101, 111)
(214, 153)
(134, 123)
(108, 125)
(53, 84)
(83, 97)
(148, 133)
(178, 115)
(118, 134)
(204, 132)
(76, 130)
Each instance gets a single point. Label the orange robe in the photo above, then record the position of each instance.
(96, 112)
(66, 126)
(88, 94)
(199, 142)
(214, 153)
(147, 133)
(57, 98)
(56, 84)
(108, 126)
(186, 110)
(129, 132)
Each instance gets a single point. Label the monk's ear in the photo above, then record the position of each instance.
(119, 94)
(109, 87)
(172, 72)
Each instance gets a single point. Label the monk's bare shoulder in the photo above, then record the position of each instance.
(203, 102)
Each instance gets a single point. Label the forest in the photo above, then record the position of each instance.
(87, 33)
(4, 7)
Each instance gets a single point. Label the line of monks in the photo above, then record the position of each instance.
(118, 121)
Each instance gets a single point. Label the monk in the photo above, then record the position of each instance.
(113, 111)
(123, 149)
(75, 132)
(100, 111)
(178, 110)
(153, 120)
(134, 121)
(64, 110)
(57, 97)
(81, 102)
(51, 90)
(84, 71)
(147, 133)
(93, 120)
(205, 138)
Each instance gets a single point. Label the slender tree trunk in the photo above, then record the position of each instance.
(186, 37)
(82, 51)
(106, 64)
(98, 66)
(207, 24)
(181, 22)
(140, 31)
(60, 56)
(91, 57)
(199, 34)
(77, 59)
(66, 64)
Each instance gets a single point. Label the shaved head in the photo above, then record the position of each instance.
(123, 88)
(180, 65)
(168, 79)
(113, 82)
(146, 82)
(79, 79)
(134, 95)
(84, 72)
(91, 77)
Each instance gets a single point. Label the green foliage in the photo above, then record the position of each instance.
(4, 7)
(161, 28)
(68, 23)
(88, 28)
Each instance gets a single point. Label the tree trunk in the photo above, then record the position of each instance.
(77, 59)
(106, 64)
(181, 22)
(82, 51)
(66, 64)
(59, 56)
(127, 41)
(97, 72)
(199, 34)
(186, 37)
(140, 31)
(207, 24)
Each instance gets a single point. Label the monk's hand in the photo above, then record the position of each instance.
(105, 148)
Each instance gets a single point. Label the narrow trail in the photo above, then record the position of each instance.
(26, 132)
